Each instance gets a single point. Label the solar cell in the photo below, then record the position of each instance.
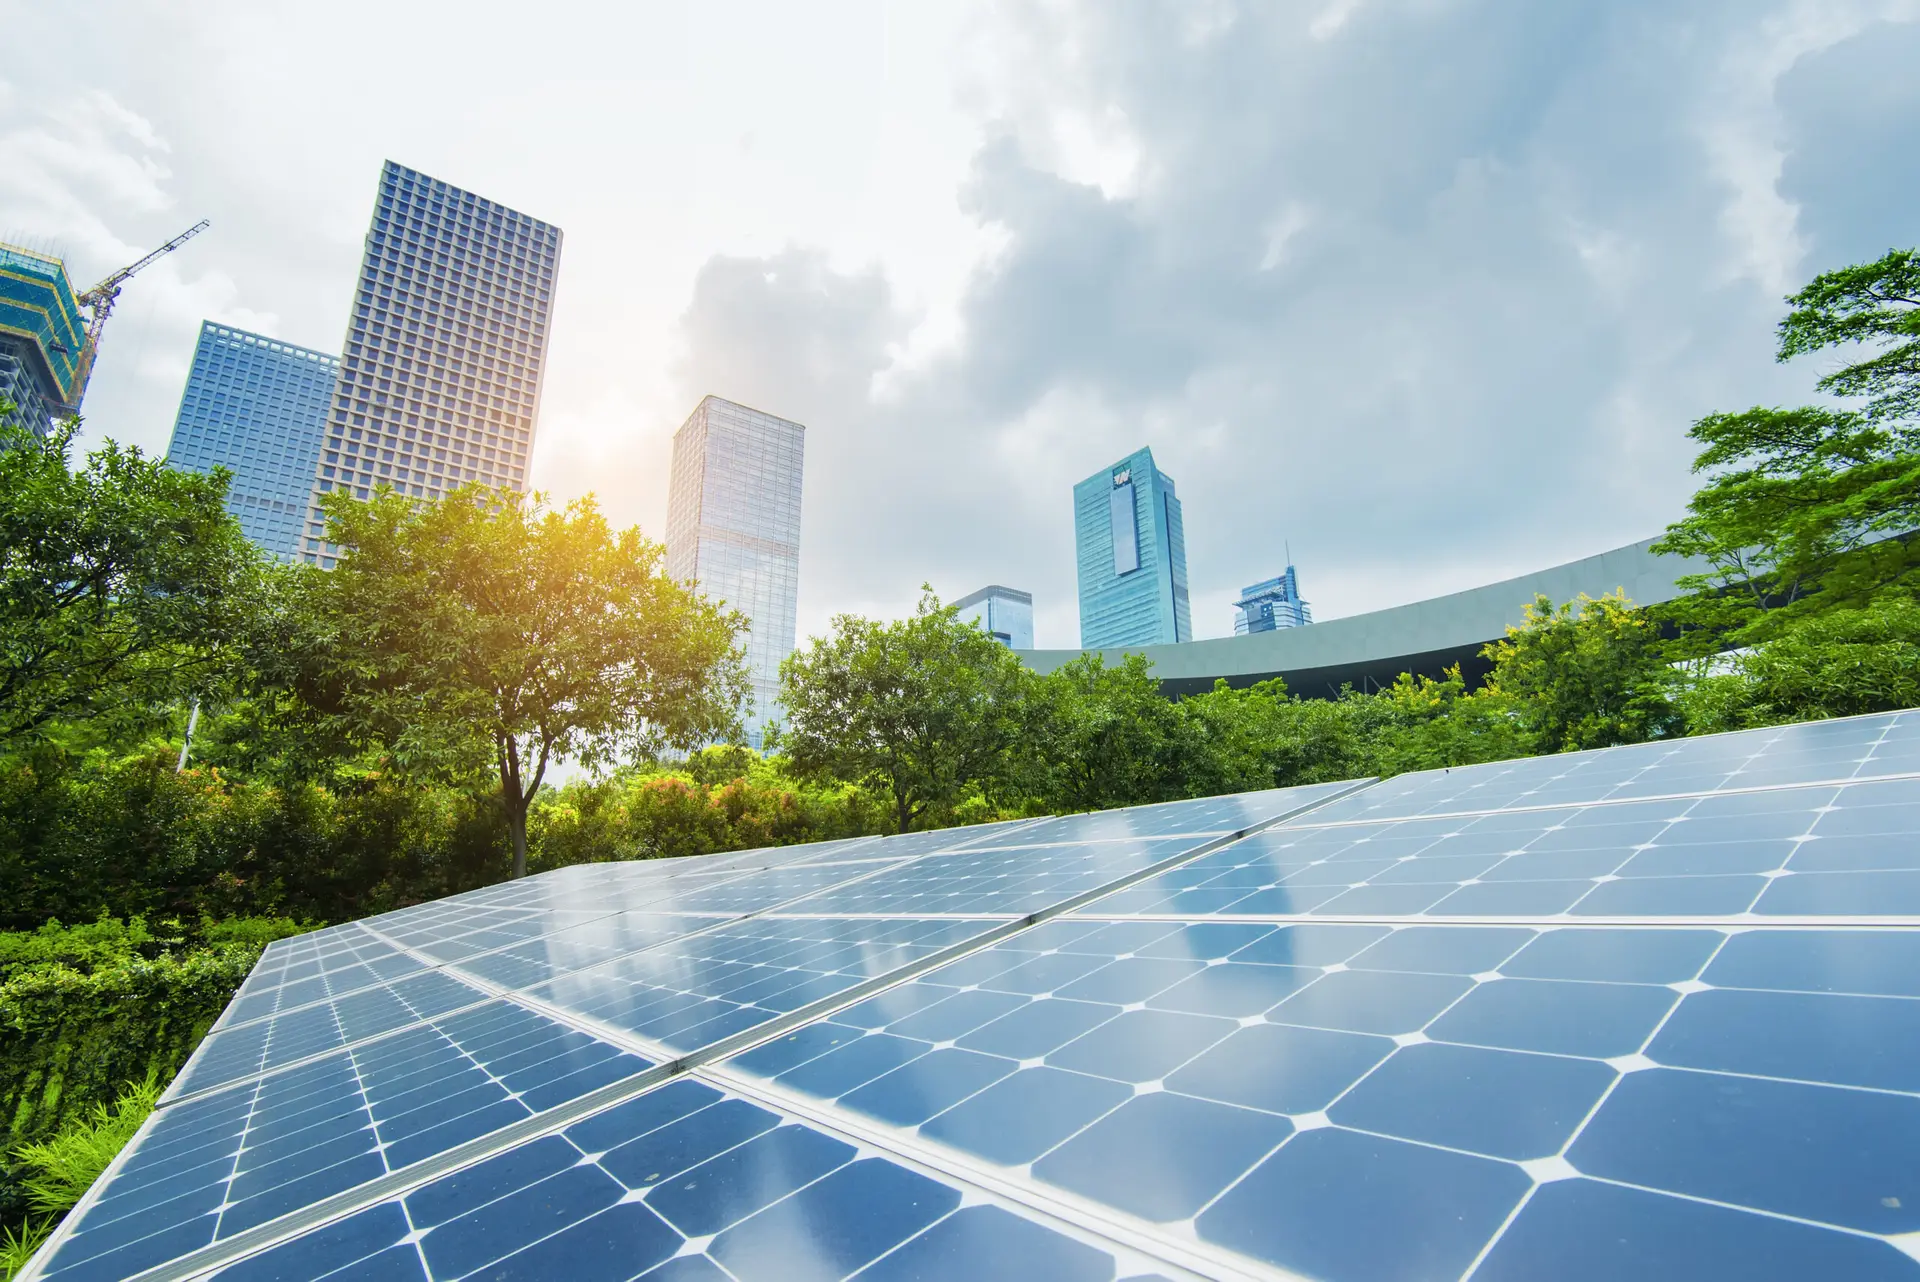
(687, 1182)
(229, 1159)
(1795, 852)
(1647, 1012)
(1271, 1087)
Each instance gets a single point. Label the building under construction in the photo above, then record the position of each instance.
(49, 335)
(43, 340)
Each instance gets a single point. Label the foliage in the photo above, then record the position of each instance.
(1585, 674)
(1807, 510)
(18, 1243)
(488, 633)
(119, 583)
(69, 1040)
(1841, 664)
(59, 1170)
(928, 709)
(82, 948)
(1111, 738)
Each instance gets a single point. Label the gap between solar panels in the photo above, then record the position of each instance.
(292, 1224)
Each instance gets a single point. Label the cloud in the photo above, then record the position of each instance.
(1430, 291)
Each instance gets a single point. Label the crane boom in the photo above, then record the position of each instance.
(100, 299)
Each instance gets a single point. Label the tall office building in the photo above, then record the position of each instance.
(1005, 613)
(446, 348)
(733, 528)
(1132, 552)
(257, 407)
(42, 337)
(1275, 603)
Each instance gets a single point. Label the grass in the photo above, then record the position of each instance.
(59, 1171)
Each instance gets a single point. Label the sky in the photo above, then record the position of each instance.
(1427, 291)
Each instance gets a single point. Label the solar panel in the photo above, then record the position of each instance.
(1648, 1012)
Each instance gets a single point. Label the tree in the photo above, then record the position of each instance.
(119, 582)
(1810, 509)
(928, 708)
(1839, 664)
(488, 634)
(1106, 736)
(1587, 674)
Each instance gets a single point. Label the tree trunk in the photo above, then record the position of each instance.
(517, 820)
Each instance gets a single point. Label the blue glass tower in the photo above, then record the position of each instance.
(1132, 551)
(1005, 614)
(446, 349)
(256, 406)
(1271, 604)
(733, 528)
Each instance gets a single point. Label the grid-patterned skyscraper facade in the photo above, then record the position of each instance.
(257, 407)
(1131, 547)
(733, 527)
(446, 348)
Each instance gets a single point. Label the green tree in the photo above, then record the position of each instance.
(489, 635)
(928, 709)
(1262, 737)
(1104, 736)
(1839, 664)
(1587, 674)
(1807, 509)
(120, 583)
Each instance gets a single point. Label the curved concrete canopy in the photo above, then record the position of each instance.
(1369, 650)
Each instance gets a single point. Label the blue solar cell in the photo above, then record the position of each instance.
(1713, 856)
(1023, 879)
(1820, 1153)
(239, 1052)
(1587, 1231)
(221, 1163)
(691, 993)
(673, 1185)
(1472, 1069)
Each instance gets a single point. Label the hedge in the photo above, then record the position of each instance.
(70, 1041)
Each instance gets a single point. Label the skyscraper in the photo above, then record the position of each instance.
(1005, 613)
(257, 407)
(42, 337)
(1274, 603)
(1132, 552)
(733, 527)
(446, 348)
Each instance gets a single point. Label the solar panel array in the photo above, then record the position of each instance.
(1648, 1012)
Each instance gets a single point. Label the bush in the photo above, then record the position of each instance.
(1840, 664)
(56, 1173)
(93, 1012)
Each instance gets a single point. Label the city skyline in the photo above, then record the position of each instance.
(984, 249)
(441, 369)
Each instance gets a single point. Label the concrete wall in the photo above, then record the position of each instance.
(1368, 650)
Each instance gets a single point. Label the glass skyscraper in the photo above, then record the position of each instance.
(440, 375)
(258, 407)
(1132, 553)
(1006, 614)
(733, 528)
(42, 337)
(1274, 603)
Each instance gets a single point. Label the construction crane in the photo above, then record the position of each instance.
(100, 299)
